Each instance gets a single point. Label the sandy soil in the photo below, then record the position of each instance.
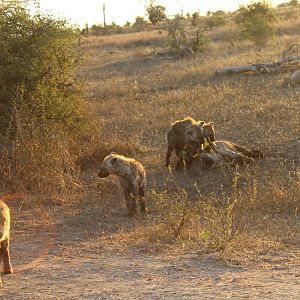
(62, 257)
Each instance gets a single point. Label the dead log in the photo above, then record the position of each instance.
(283, 65)
(289, 62)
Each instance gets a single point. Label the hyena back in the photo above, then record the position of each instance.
(132, 177)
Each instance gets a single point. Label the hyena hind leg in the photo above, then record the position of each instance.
(130, 203)
(241, 159)
(7, 268)
(244, 151)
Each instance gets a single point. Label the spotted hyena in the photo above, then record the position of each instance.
(4, 238)
(228, 152)
(132, 177)
(187, 134)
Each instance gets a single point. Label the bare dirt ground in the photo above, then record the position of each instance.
(69, 252)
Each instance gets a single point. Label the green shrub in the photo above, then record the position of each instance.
(256, 21)
(195, 18)
(113, 28)
(214, 21)
(40, 104)
(156, 13)
(293, 2)
(140, 22)
(179, 37)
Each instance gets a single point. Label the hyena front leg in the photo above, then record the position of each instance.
(142, 199)
(130, 202)
(168, 156)
(180, 162)
(6, 257)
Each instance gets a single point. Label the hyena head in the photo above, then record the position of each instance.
(208, 131)
(109, 165)
(194, 133)
(197, 133)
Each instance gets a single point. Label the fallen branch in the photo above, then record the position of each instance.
(277, 67)
(287, 63)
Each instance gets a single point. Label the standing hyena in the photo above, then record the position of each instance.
(187, 134)
(132, 177)
(4, 238)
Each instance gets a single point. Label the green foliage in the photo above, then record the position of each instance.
(156, 13)
(195, 18)
(40, 101)
(214, 20)
(293, 2)
(127, 24)
(38, 61)
(113, 28)
(180, 37)
(256, 21)
(140, 22)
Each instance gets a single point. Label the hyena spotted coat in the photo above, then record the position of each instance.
(4, 238)
(132, 177)
(225, 151)
(187, 134)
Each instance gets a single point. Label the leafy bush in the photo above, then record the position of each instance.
(40, 104)
(214, 21)
(140, 22)
(256, 21)
(179, 37)
(113, 28)
(195, 18)
(293, 2)
(156, 13)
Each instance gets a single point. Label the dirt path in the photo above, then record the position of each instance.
(68, 261)
(95, 275)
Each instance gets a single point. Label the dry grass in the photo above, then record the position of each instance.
(134, 95)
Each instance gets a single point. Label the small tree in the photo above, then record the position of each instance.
(40, 100)
(139, 22)
(180, 37)
(214, 20)
(293, 2)
(156, 13)
(256, 21)
(195, 18)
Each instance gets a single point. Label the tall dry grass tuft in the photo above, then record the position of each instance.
(235, 224)
(38, 163)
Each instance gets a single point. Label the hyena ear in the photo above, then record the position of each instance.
(114, 161)
(201, 123)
